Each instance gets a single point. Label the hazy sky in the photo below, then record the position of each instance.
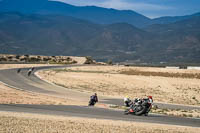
(150, 8)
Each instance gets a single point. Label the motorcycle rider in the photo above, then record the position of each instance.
(150, 100)
(29, 72)
(19, 70)
(139, 101)
(127, 101)
(33, 68)
(94, 98)
(136, 102)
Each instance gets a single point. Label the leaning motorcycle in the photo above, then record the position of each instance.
(139, 108)
(91, 102)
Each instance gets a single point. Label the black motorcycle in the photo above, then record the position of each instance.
(91, 102)
(139, 108)
(29, 73)
(18, 70)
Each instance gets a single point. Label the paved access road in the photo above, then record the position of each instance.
(34, 84)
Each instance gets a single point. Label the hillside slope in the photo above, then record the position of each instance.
(63, 35)
(91, 13)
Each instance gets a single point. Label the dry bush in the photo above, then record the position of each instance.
(162, 74)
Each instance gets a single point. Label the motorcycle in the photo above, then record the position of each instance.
(29, 73)
(18, 70)
(139, 108)
(91, 102)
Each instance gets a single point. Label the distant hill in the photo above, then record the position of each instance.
(94, 14)
(38, 34)
(169, 19)
(63, 35)
(181, 39)
(91, 13)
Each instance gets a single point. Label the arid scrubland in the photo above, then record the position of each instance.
(165, 85)
(8, 58)
(35, 123)
(76, 60)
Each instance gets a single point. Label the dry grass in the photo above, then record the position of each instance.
(162, 74)
(34, 123)
(178, 112)
(107, 80)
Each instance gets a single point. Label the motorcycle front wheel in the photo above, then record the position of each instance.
(141, 110)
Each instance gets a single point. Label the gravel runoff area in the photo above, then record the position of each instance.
(35, 123)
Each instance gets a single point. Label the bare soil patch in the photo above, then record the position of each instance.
(31, 123)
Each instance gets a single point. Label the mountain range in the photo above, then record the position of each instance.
(91, 13)
(55, 28)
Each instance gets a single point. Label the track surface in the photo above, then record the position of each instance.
(34, 84)
(92, 112)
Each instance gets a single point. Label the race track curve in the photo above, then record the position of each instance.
(33, 83)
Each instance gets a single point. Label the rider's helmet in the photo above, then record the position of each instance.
(95, 94)
(150, 97)
(127, 97)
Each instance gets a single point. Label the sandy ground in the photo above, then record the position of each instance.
(35, 123)
(80, 60)
(107, 80)
(13, 96)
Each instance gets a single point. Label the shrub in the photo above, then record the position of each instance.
(17, 56)
(89, 60)
(3, 59)
(110, 62)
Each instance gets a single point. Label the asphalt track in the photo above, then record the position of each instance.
(34, 84)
